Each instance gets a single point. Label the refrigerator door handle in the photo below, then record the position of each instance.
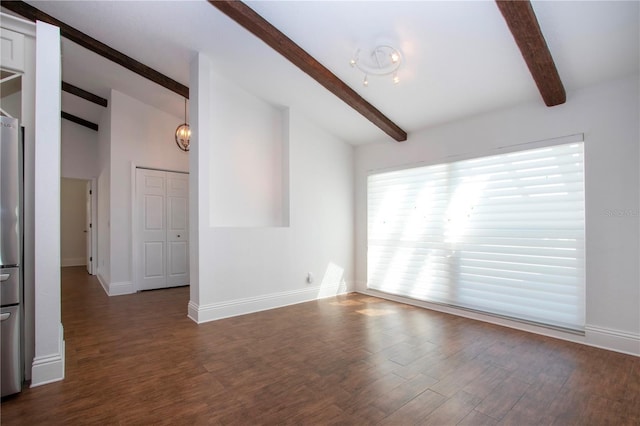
(5, 316)
(4, 277)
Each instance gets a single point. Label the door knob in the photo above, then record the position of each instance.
(178, 235)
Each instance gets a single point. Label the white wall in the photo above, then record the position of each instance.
(73, 199)
(240, 270)
(79, 151)
(143, 136)
(607, 114)
(246, 188)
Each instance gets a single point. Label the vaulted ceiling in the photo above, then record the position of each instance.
(460, 58)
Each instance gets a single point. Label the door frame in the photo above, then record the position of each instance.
(135, 258)
(93, 231)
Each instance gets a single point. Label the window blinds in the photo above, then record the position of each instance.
(503, 234)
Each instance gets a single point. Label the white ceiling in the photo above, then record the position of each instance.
(460, 58)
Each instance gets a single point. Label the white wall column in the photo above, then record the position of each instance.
(199, 108)
(48, 363)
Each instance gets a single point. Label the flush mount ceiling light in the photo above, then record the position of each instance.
(380, 61)
(183, 132)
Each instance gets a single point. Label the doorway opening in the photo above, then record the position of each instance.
(78, 240)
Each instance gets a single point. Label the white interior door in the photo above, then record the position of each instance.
(163, 229)
(88, 228)
(151, 197)
(177, 229)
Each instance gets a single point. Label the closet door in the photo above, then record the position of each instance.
(177, 229)
(152, 229)
(163, 229)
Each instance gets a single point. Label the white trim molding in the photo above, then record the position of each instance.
(192, 311)
(103, 283)
(17, 24)
(49, 368)
(115, 289)
(94, 226)
(133, 265)
(121, 288)
(609, 339)
(615, 340)
(232, 308)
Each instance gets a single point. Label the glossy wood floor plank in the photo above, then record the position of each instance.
(348, 360)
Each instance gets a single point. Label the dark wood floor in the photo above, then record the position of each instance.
(354, 359)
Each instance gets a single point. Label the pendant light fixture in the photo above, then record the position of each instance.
(183, 132)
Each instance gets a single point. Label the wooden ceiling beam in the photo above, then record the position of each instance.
(90, 43)
(261, 28)
(523, 24)
(75, 90)
(81, 121)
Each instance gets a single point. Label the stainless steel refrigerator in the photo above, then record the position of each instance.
(11, 256)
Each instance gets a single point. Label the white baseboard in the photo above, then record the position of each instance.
(215, 311)
(73, 261)
(103, 283)
(49, 368)
(118, 289)
(115, 289)
(192, 311)
(613, 340)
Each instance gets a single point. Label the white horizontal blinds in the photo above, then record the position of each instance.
(502, 234)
